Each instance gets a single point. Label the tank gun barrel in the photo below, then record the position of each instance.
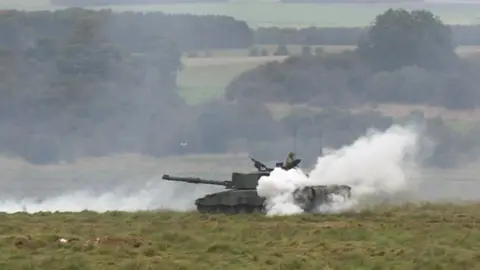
(197, 180)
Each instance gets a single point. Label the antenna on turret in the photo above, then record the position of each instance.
(320, 138)
(295, 138)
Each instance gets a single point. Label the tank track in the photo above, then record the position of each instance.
(227, 209)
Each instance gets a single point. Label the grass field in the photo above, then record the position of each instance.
(203, 83)
(408, 237)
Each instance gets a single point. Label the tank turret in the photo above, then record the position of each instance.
(238, 180)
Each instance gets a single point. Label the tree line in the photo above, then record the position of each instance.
(248, 125)
(83, 3)
(189, 32)
(352, 1)
(463, 35)
(135, 31)
(153, 2)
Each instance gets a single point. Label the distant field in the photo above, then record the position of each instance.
(204, 78)
(260, 13)
(242, 54)
(233, 56)
(408, 237)
(205, 82)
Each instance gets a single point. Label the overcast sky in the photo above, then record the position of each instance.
(24, 3)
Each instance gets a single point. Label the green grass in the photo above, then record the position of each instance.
(200, 84)
(408, 237)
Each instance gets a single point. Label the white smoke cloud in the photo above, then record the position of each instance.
(378, 164)
(153, 196)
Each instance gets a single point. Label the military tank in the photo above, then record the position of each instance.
(241, 195)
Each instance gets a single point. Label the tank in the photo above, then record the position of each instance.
(241, 195)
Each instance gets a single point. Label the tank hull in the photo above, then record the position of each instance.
(231, 202)
(309, 198)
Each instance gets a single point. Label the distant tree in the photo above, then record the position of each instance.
(192, 54)
(220, 121)
(253, 52)
(208, 54)
(318, 50)
(264, 52)
(308, 36)
(306, 51)
(281, 50)
(458, 94)
(400, 38)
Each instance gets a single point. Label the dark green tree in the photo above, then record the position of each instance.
(306, 51)
(400, 38)
(281, 50)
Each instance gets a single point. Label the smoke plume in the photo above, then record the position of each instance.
(378, 164)
(153, 196)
